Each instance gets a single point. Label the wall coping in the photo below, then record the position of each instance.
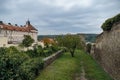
(48, 60)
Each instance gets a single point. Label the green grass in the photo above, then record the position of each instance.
(92, 69)
(62, 69)
(65, 67)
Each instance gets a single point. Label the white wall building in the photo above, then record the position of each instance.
(14, 34)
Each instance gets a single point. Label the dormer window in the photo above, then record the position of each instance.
(9, 23)
(1, 22)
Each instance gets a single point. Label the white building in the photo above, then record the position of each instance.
(14, 34)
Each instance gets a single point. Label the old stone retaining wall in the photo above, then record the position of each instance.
(50, 59)
(107, 51)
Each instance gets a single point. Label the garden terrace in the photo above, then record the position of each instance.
(70, 68)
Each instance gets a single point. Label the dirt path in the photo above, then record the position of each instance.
(82, 75)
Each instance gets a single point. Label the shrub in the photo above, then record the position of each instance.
(46, 53)
(49, 50)
(107, 25)
(16, 65)
(54, 48)
(9, 64)
(36, 52)
(30, 53)
(88, 47)
(12, 49)
(3, 50)
(30, 68)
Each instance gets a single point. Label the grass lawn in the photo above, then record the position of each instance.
(93, 70)
(65, 67)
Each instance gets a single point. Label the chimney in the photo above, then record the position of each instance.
(1, 22)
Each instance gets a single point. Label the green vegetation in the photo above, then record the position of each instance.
(65, 68)
(30, 68)
(90, 37)
(40, 37)
(93, 70)
(26, 65)
(70, 42)
(27, 41)
(62, 69)
(22, 65)
(10, 60)
(38, 51)
(107, 25)
(88, 47)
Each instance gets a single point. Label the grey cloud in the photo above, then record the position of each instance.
(3, 8)
(48, 16)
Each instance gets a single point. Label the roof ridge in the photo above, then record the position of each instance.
(18, 28)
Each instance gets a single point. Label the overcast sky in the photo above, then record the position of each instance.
(59, 16)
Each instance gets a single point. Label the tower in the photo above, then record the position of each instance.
(27, 23)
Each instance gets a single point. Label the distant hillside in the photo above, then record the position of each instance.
(88, 37)
(46, 36)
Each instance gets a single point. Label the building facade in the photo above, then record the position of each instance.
(14, 34)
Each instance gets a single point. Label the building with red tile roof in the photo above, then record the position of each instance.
(15, 33)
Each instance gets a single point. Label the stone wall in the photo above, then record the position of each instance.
(107, 51)
(50, 59)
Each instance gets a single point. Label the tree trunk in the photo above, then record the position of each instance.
(72, 54)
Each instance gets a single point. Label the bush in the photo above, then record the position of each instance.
(88, 47)
(46, 53)
(9, 63)
(30, 68)
(36, 52)
(30, 53)
(3, 51)
(49, 50)
(107, 25)
(54, 48)
(16, 65)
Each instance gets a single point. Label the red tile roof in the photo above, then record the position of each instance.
(26, 28)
